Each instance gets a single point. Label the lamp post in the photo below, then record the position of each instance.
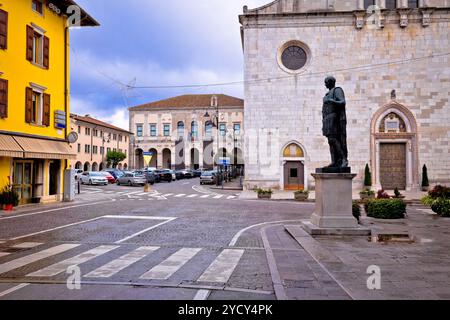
(103, 146)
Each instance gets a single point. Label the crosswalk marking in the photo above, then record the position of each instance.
(115, 266)
(222, 268)
(231, 197)
(74, 261)
(218, 196)
(20, 262)
(27, 245)
(180, 195)
(168, 195)
(13, 289)
(168, 267)
(205, 196)
(3, 254)
(192, 196)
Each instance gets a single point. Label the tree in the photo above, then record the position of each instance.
(367, 177)
(115, 157)
(425, 182)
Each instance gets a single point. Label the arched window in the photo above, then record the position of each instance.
(368, 3)
(293, 151)
(194, 129)
(208, 129)
(180, 129)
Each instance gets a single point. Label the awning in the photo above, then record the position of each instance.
(45, 149)
(9, 147)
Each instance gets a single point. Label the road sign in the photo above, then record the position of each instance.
(224, 161)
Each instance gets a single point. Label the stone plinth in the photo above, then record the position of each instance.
(333, 214)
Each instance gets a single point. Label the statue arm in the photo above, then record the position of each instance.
(339, 97)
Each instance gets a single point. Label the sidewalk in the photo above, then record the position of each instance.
(289, 195)
(233, 185)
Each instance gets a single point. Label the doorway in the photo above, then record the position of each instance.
(54, 175)
(294, 175)
(393, 166)
(23, 180)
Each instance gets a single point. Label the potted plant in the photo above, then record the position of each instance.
(367, 194)
(264, 194)
(301, 195)
(9, 198)
(398, 195)
(425, 182)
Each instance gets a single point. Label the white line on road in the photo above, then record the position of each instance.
(3, 254)
(231, 197)
(205, 196)
(218, 196)
(168, 195)
(145, 230)
(27, 245)
(192, 196)
(13, 289)
(180, 195)
(115, 266)
(202, 295)
(18, 263)
(223, 267)
(62, 266)
(168, 267)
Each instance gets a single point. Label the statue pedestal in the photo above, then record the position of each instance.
(333, 214)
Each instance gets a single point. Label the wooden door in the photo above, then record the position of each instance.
(393, 166)
(294, 175)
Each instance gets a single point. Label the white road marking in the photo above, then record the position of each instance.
(180, 195)
(168, 195)
(218, 196)
(205, 196)
(231, 197)
(223, 267)
(13, 289)
(57, 209)
(27, 245)
(3, 254)
(192, 196)
(62, 266)
(146, 230)
(168, 267)
(202, 295)
(115, 266)
(18, 263)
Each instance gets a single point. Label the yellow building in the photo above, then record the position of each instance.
(34, 95)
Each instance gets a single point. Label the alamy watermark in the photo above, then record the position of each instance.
(74, 279)
(374, 280)
(73, 13)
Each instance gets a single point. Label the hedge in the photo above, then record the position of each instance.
(386, 208)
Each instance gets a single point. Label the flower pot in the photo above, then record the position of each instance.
(301, 197)
(8, 207)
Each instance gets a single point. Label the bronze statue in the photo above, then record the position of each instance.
(335, 126)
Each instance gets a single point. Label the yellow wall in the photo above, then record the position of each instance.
(19, 72)
(5, 171)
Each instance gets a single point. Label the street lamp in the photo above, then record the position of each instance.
(103, 145)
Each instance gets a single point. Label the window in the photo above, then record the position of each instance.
(413, 3)
(391, 4)
(139, 130)
(180, 129)
(102, 150)
(294, 58)
(37, 6)
(3, 98)
(208, 129)
(101, 134)
(108, 150)
(79, 148)
(37, 107)
(120, 138)
(120, 150)
(115, 137)
(166, 130)
(3, 29)
(87, 148)
(153, 132)
(194, 129)
(87, 131)
(368, 3)
(222, 129)
(114, 149)
(95, 132)
(38, 47)
(125, 138)
(79, 129)
(237, 129)
(94, 149)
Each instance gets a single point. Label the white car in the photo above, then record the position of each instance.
(93, 178)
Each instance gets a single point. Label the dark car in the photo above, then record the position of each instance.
(163, 175)
(188, 174)
(115, 173)
(179, 174)
(151, 177)
(197, 173)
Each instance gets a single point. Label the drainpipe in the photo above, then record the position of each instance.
(66, 89)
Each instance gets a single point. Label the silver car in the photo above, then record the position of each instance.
(132, 179)
(93, 178)
(208, 177)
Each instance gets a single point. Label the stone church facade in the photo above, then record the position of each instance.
(391, 58)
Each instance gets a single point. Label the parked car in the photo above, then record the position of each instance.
(179, 174)
(150, 175)
(163, 175)
(114, 172)
(174, 176)
(188, 174)
(208, 177)
(91, 177)
(132, 179)
(197, 173)
(77, 173)
(109, 176)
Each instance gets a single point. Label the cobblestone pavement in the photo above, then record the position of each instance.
(183, 241)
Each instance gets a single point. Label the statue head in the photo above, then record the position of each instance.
(330, 82)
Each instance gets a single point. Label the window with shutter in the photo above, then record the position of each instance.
(30, 43)
(46, 115)
(28, 105)
(3, 98)
(46, 60)
(3, 29)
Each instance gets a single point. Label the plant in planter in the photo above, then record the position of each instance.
(301, 195)
(356, 209)
(439, 200)
(425, 182)
(386, 208)
(398, 195)
(9, 198)
(264, 194)
(367, 177)
(367, 194)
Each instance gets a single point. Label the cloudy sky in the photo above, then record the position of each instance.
(154, 43)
